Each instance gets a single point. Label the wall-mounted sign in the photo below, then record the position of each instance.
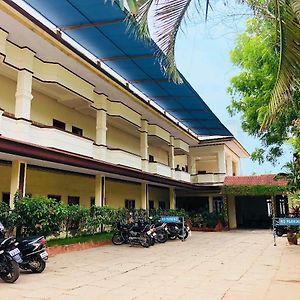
(289, 221)
(169, 219)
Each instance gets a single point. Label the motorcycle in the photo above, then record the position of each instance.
(9, 258)
(175, 231)
(30, 253)
(129, 233)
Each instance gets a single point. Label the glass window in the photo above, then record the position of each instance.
(55, 197)
(77, 131)
(151, 204)
(218, 205)
(59, 124)
(5, 198)
(73, 200)
(129, 204)
(162, 204)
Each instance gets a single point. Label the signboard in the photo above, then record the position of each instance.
(289, 222)
(169, 219)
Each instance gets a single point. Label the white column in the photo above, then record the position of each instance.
(191, 164)
(172, 157)
(144, 196)
(3, 38)
(17, 180)
(1, 113)
(172, 198)
(23, 95)
(229, 166)
(221, 162)
(144, 144)
(101, 128)
(210, 203)
(99, 190)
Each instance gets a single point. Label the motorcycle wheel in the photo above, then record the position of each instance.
(279, 231)
(145, 240)
(172, 237)
(184, 235)
(162, 237)
(37, 265)
(13, 271)
(152, 240)
(117, 239)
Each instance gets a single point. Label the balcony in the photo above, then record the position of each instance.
(121, 157)
(159, 169)
(208, 178)
(182, 176)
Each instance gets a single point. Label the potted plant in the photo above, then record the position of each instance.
(291, 235)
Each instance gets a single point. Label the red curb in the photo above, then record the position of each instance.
(76, 247)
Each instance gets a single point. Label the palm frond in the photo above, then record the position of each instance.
(295, 4)
(289, 63)
(169, 16)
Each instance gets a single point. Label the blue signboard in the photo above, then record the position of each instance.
(169, 219)
(289, 221)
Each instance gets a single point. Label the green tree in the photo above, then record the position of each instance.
(251, 90)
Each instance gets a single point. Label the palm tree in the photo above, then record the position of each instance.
(169, 15)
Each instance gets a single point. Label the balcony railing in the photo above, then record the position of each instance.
(159, 169)
(214, 178)
(182, 176)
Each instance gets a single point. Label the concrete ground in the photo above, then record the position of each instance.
(226, 265)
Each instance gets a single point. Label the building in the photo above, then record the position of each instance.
(73, 130)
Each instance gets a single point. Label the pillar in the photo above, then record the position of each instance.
(172, 198)
(100, 105)
(210, 203)
(1, 113)
(144, 144)
(17, 180)
(99, 190)
(221, 162)
(229, 166)
(191, 164)
(232, 212)
(172, 157)
(24, 85)
(144, 196)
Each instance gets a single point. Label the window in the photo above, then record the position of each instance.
(59, 124)
(218, 205)
(73, 200)
(151, 158)
(162, 204)
(5, 198)
(57, 198)
(77, 131)
(151, 204)
(92, 201)
(130, 204)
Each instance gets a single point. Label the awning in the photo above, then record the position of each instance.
(99, 26)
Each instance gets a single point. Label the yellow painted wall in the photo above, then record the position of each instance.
(160, 155)
(180, 160)
(208, 166)
(7, 95)
(158, 194)
(45, 182)
(5, 173)
(116, 192)
(117, 138)
(44, 109)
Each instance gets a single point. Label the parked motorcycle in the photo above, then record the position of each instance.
(9, 257)
(175, 231)
(129, 233)
(30, 253)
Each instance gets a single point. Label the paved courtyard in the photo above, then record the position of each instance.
(227, 265)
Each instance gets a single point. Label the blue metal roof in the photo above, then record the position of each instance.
(99, 27)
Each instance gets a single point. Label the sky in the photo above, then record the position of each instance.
(202, 56)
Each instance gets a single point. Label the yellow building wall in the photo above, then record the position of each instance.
(117, 138)
(180, 160)
(208, 166)
(7, 96)
(160, 155)
(158, 194)
(43, 183)
(5, 174)
(116, 192)
(44, 109)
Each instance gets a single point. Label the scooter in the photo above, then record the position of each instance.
(30, 253)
